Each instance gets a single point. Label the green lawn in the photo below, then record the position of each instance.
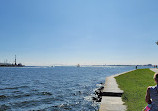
(134, 85)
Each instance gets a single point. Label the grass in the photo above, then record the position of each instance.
(134, 85)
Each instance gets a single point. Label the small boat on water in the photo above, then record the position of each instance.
(78, 65)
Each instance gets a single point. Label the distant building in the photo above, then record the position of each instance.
(11, 65)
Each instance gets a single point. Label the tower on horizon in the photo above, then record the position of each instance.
(15, 60)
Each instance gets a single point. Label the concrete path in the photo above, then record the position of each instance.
(111, 85)
(111, 103)
(154, 70)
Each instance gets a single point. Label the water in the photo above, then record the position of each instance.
(52, 88)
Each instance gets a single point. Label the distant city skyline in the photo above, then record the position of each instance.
(85, 32)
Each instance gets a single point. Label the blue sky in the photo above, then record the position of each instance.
(47, 32)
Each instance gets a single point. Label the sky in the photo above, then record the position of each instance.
(70, 32)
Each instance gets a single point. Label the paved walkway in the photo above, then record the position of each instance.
(154, 70)
(111, 103)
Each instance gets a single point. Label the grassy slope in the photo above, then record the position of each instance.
(134, 85)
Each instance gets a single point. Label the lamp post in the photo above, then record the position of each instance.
(157, 44)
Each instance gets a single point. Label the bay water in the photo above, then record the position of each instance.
(60, 88)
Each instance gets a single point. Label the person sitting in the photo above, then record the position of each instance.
(152, 95)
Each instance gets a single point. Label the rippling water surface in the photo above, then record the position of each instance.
(52, 88)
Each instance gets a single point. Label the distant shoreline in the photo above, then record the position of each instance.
(20, 65)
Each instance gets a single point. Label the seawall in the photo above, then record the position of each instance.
(111, 95)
